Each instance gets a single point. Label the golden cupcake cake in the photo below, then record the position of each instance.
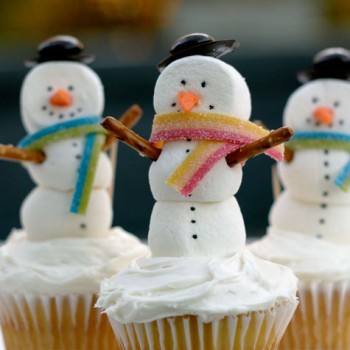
(309, 220)
(200, 288)
(51, 269)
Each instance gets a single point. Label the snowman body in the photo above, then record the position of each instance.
(311, 202)
(54, 92)
(209, 220)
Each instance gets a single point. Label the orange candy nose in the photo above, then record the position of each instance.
(324, 115)
(187, 100)
(61, 98)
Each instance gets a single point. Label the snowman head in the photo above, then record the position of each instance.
(322, 104)
(59, 87)
(57, 91)
(202, 84)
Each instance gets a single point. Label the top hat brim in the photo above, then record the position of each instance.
(212, 48)
(86, 59)
(309, 75)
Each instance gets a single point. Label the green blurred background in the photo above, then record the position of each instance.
(129, 37)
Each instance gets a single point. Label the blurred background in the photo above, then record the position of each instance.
(129, 37)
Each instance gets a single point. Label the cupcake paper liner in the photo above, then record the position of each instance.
(322, 320)
(253, 330)
(61, 322)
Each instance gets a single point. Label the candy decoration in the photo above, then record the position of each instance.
(221, 134)
(89, 126)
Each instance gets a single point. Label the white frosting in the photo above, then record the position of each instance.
(209, 287)
(64, 265)
(309, 257)
(222, 180)
(196, 229)
(47, 78)
(45, 215)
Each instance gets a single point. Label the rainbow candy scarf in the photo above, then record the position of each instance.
(220, 134)
(322, 140)
(94, 140)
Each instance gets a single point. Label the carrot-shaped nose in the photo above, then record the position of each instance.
(187, 100)
(324, 115)
(61, 98)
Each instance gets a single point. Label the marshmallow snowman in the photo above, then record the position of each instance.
(61, 88)
(313, 201)
(208, 221)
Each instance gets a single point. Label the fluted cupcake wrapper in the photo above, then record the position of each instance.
(253, 330)
(322, 320)
(61, 322)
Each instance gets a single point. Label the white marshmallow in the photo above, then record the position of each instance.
(219, 184)
(218, 229)
(60, 169)
(225, 89)
(45, 79)
(45, 215)
(322, 220)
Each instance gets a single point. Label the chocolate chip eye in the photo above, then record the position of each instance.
(49, 88)
(211, 107)
(203, 84)
(341, 122)
(183, 82)
(70, 88)
(314, 100)
(336, 104)
(173, 104)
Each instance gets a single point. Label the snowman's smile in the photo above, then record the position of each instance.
(62, 113)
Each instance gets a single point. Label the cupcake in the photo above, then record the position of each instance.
(309, 220)
(200, 289)
(51, 269)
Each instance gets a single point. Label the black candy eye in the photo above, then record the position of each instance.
(336, 104)
(70, 88)
(211, 107)
(183, 82)
(173, 104)
(203, 84)
(314, 100)
(49, 88)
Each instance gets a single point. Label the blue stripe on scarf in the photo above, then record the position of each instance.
(317, 135)
(52, 129)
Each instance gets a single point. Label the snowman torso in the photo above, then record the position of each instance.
(55, 92)
(209, 220)
(312, 203)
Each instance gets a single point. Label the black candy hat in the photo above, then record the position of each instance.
(198, 44)
(333, 62)
(60, 48)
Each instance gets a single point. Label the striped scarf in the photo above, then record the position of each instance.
(94, 140)
(322, 140)
(219, 135)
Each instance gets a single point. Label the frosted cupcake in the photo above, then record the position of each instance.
(309, 221)
(200, 289)
(50, 270)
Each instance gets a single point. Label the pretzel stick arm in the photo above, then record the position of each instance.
(129, 137)
(130, 118)
(274, 138)
(16, 154)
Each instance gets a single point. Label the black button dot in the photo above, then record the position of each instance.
(341, 121)
(60, 116)
(79, 109)
(325, 194)
(75, 144)
(319, 236)
(194, 236)
(325, 163)
(308, 120)
(326, 177)
(83, 226)
(326, 151)
(336, 104)
(43, 108)
(193, 208)
(49, 88)
(323, 205)
(322, 221)
(72, 114)
(193, 221)
(187, 151)
(78, 156)
(314, 99)
(51, 113)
